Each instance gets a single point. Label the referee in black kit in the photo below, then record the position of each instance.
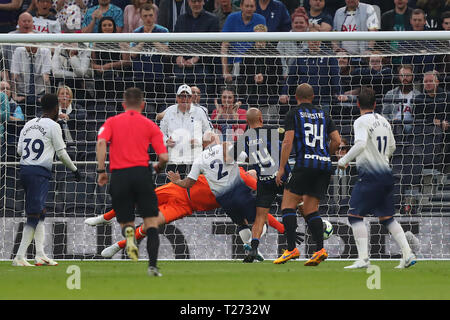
(314, 137)
(129, 135)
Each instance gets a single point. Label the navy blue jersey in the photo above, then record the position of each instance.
(262, 147)
(311, 126)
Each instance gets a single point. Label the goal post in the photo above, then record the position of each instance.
(264, 70)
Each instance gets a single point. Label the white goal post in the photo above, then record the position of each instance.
(284, 60)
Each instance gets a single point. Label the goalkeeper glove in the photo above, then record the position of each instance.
(299, 237)
(77, 175)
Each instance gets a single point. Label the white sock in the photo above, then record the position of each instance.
(246, 235)
(27, 237)
(361, 239)
(399, 236)
(264, 230)
(39, 239)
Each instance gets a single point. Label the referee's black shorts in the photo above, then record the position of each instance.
(309, 181)
(132, 188)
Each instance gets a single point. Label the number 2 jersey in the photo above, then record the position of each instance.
(312, 127)
(39, 139)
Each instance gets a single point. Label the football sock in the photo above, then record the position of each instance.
(140, 234)
(274, 223)
(122, 243)
(398, 234)
(39, 239)
(109, 215)
(255, 243)
(27, 237)
(152, 246)
(315, 225)
(361, 237)
(290, 227)
(264, 230)
(245, 233)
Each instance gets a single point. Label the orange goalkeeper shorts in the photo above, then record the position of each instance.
(173, 202)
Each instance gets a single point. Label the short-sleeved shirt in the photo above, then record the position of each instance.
(39, 139)
(130, 135)
(311, 126)
(114, 12)
(322, 17)
(48, 24)
(234, 23)
(276, 15)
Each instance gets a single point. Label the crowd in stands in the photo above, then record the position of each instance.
(409, 88)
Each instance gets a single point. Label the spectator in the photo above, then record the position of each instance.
(322, 73)
(224, 8)
(30, 73)
(96, 13)
(418, 20)
(4, 114)
(433, 10)
(261, 77)
(15, 111)
(229, 109)
(276, 14)
(376, 74)
(355, 16)
(8, 15)
(25, 25)
(149, 66)
(183, 126)
(169, 11)
(445, 18)
(397, 103)
(70, 13)
(430, 105)
(318, 16)
(397, 19)
(108, 65)
(345, 70)
(132, 15)
(299, 23)
(71, 66)
(241, 21)
(197, 20)
(68, 111)
(44, 20)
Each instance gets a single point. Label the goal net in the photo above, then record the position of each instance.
(408, 71)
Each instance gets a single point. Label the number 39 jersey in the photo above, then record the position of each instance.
(375, 132)
(39, 139)
(221, 177)
(311, 126)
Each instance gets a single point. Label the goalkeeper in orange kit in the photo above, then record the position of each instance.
(175, 203)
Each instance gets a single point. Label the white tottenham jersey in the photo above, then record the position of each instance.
(221, 177)
(375, 132)
(39, 139)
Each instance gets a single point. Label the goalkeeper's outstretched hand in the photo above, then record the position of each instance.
(77, 176)
(299, 237)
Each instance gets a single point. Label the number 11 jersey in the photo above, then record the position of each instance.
(39, 139)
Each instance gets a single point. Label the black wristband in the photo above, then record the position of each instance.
(101, 170)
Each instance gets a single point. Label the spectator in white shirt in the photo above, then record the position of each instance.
(183, 126)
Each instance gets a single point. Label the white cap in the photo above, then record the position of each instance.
(184, 88)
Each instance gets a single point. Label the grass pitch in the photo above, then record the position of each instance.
(224, 280)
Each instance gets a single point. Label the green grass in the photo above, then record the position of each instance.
(221, 280)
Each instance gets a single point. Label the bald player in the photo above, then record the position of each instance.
(314, 137)
(262, 147)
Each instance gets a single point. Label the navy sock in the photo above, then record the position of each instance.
(152, 245)
(290, 226)
(315, 225)
(255, 243)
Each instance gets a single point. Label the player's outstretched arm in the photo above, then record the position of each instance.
(176, 179)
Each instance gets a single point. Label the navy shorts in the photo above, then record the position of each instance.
(373, 196)
(36, 190)
(239, 203)
(309, 181)
(266, 193)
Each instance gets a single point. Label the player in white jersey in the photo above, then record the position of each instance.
(39, 139)
(225, 182)
(373, 193)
